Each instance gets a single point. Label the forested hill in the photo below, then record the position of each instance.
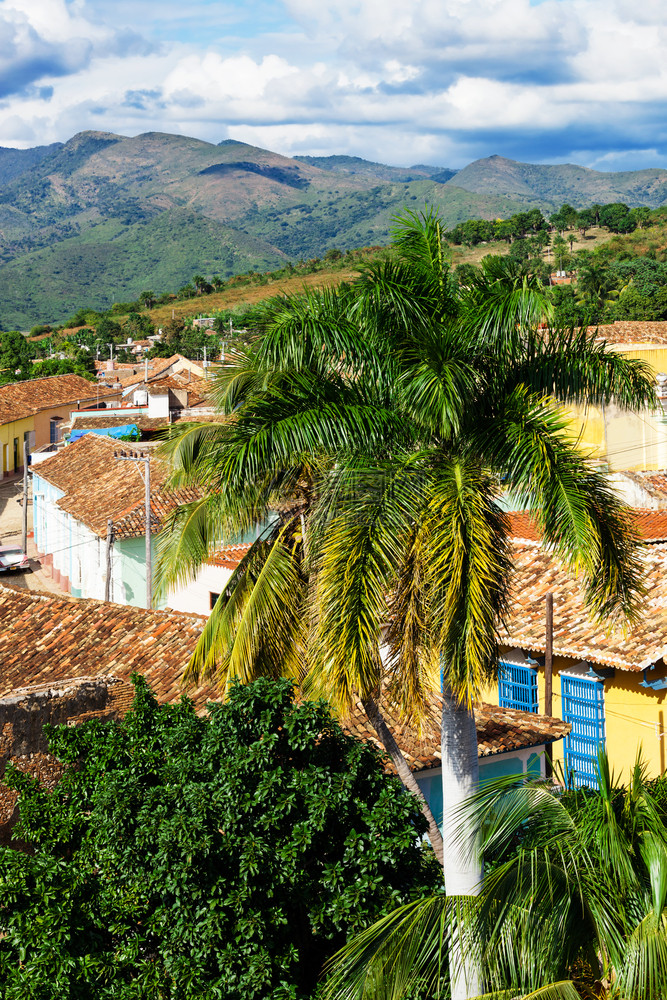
(102, 217)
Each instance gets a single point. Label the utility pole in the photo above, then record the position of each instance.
(146, 476)
(548, 676)
(24, 531)
(107, 582)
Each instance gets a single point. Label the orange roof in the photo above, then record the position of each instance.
(46, 640)
(97, 486)
(537, 573)
(229, 557)
(499, 730)
(19, 400)
(651, 524)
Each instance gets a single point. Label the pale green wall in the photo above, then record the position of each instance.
(131, 555)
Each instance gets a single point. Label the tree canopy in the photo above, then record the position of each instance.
(224, 856)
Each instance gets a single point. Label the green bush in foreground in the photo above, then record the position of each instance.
(227, 856)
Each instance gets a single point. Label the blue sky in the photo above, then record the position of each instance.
(401, 81)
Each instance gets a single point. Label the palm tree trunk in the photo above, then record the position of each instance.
(405, 774)
(461, 867)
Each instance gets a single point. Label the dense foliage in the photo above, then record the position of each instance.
(217, 857)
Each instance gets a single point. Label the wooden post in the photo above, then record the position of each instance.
(107, 582)
(24, 530)
(548, 675)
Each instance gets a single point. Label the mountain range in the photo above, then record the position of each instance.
(102, 217)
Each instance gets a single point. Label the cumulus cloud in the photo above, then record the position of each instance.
(379, 78)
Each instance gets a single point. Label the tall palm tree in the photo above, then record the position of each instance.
(574, 903)
(381, 421)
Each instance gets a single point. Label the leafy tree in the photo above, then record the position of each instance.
(147, 299)
(185, 857)
(385, 474)
(617, 218)
(62, 366)
(15, 356)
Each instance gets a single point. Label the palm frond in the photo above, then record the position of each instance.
(257, 627)
(469, 571)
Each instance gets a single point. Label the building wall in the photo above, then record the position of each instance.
(195, 596)
(635, 718)
(43, 418)
(9, 431)
(530, 761)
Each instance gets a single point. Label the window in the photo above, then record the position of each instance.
(55, 429)
(583, 708)
(16, 454)
(212, 598)
(517, 686)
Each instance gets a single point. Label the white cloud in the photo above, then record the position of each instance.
(378, 78)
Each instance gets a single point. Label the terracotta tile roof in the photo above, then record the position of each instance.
(538, 573)
(23, 399)
(46, 640)
(632, 332)
(499, 730)
(654, 483)
(97, 487)
(53, 642)
(132, 522)
(229, 557)
(651, 524)
(144, 423)
(160, 367)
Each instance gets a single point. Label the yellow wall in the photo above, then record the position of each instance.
(634, 717)
(9, 431)
(625, 441)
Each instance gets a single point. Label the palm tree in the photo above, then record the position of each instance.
(381, 421)
(574, 902)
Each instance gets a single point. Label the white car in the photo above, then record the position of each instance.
(13, 559)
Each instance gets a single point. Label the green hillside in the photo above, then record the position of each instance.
(103, 217)
(110, 262)
(548, 186)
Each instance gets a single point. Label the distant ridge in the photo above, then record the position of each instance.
(102, 217)
(551, 185)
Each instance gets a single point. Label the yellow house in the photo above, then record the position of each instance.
(610, 686)
(35, 410)
(613, 437)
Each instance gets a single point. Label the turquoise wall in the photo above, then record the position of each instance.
(496, 767)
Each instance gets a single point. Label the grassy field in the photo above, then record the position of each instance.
(243, 295)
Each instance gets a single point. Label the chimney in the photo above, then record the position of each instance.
(111, 365)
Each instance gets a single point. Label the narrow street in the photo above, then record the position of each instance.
(11, 521)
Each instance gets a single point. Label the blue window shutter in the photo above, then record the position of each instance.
(583, 709)
(517, 687)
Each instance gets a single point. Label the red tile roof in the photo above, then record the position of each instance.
(575, 635)
(229, 557)
(45, 640)
(651, 524)
(19, 400)
(499, 730)
(48, 641)
(97, 486)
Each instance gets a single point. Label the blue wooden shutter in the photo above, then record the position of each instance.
(583, 708)
(517, 687)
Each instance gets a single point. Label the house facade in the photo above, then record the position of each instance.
(35, 411)
(609, 685)
(76, 492)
